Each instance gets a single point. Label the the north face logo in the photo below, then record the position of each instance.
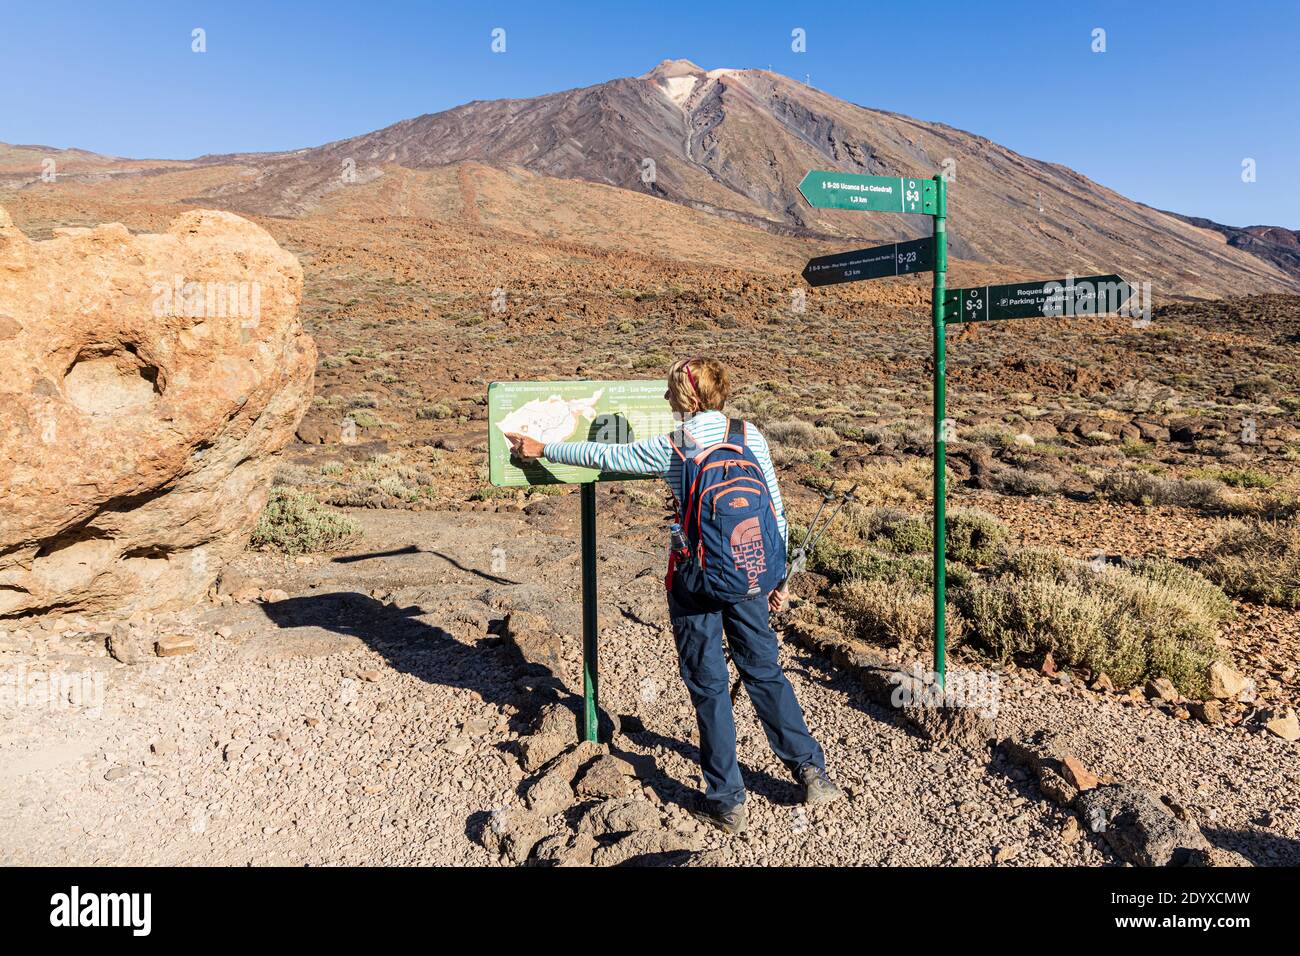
(747, 551)
(738, 503)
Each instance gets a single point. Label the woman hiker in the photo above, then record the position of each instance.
(724, 576)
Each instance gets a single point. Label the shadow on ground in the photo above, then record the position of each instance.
(491, 667)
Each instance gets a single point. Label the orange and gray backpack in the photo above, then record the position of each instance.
(729, 518)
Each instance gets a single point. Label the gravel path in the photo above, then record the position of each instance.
(370, 717)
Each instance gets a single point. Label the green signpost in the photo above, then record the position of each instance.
(1053, 298)
(895, 259)
(1090, 295)
(609, 412)
(869, 193)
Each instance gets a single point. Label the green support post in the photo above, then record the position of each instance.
(590, 623)
(940, 416)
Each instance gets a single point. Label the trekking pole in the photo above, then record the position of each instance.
(847, 497)
(800, 559)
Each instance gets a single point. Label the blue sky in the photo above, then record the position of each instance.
(1182, 95)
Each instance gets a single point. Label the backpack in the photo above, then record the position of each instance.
(729, 518)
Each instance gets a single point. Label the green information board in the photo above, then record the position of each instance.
(608, 412)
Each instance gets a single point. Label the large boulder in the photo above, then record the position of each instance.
(146, 380)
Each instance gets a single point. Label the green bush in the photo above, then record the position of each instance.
(907, 534)
(975, 537)
(892, 612)
(1242, 477)
(435, 412)
(1153, 619)
(797, 433)
(1144, 488)
(1257, 561)
(840, 562)
(296, 523)
(651, 360)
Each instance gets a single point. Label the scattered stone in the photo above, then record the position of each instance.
(623, 815)
(535, 639)
(1285, 726)
(563, 849)
(174, 645)
(457, 745)
(1071, 832)
(658, 846)
(555, 720)
(1176, 808)
(607, 777)
(1007, 852)
(1045, 754)
(535, 752)
(552, 791)
(130, 642)
(1162, 688)
(1208, 711)
(116, 773)
(1224, 682)
(1138, 827)
(1216, 856)
(1103, 684)
(513, 832)
(1077, 774)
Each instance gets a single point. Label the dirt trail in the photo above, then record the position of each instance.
(369, 717)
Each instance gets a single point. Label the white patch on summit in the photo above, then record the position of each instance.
(679, 88)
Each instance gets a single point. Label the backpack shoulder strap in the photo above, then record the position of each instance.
(736, 432)
(682, 442)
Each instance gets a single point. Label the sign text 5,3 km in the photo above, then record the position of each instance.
(894, 259)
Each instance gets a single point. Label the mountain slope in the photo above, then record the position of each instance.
(1275, 244)
(737, 142)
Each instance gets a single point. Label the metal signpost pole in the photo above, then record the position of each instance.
(590, 623)
(940, 424)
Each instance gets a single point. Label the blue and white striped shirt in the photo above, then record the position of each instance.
(654, 456)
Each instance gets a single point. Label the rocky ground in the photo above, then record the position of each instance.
(378, 705)
(374, 704)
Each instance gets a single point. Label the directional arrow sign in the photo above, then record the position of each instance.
(868, 193)
(1052, 298)
(895, 259)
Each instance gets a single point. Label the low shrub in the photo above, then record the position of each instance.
(1257, 561)
(1152, 619)
(294, 522)
(895, 613)
(1144, 488)
(435, 412)
(797, 433)
(975, 537)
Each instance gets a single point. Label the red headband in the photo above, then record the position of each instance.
(691, 378)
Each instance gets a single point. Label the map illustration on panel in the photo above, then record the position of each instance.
(607, 412)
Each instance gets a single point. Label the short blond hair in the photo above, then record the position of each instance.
(701, 383)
